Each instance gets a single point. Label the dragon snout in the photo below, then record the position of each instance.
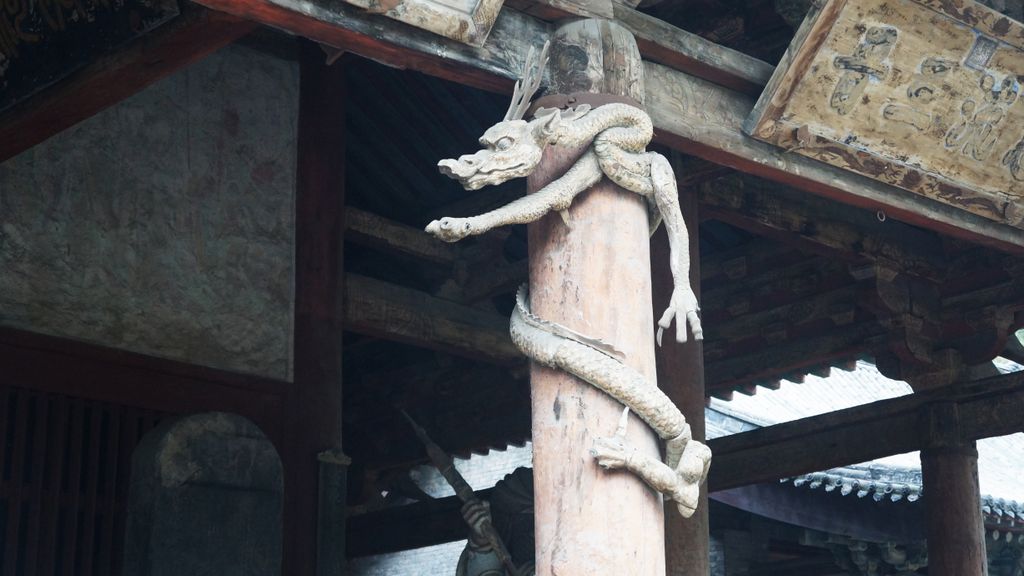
(460, 169)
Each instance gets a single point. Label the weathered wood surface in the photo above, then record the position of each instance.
(680, 370)
(954, 526)
(919, 94)
(590, 520)
(313, 411)
(113, 78)
(376, 308)
(790, 449)
(690, 113)
(661, 42)
(493, 66)
(987, 408)
(774, 353)
(955, 530)
(96, 373)
(368, 229)
(772, 210)
(552, 10)
(42, 42)
(467, 21)
(700, 118)
(416, 525)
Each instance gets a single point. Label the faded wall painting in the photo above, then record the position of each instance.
(164, 224)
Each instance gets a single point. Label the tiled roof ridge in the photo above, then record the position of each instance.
(884, 481)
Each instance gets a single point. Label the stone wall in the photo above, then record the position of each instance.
(164, 225)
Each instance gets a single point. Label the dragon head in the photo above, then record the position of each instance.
(511, 149)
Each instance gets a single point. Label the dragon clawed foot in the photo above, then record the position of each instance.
(692, 471)
(613, 452)
(451, 229)
(683, 309)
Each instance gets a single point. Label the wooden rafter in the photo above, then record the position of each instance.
(692, 110)
(773, 210)
(92, 372)
(376, 308)
(188, 38)
(987, 408)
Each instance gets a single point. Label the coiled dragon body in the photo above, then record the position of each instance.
(617, 135)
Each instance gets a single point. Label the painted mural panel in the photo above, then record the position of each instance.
(921, 94)
(164, 225)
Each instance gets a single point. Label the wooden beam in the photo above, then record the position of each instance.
(171, 47)
(373, 231)
(417, 525)
(447, 399)
(552, 10)
(701, 118)
(662, 42)
(692, 110)
(383, 310)
(784, 214)
(680, 371)
(827, 305)
(729, 365)
(494, 66)
(439, 521)
(987, 408)
(376, 308)
(92, 372)
(569, 266)
(773, 287)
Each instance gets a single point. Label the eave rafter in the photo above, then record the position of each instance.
(171, 47)
(692, 97)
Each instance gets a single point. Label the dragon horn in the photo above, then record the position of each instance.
(526, 87)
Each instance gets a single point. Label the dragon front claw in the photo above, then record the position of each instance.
(683, 309)
(450, 229)
(613, 452)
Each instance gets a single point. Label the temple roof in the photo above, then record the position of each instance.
(895, 478)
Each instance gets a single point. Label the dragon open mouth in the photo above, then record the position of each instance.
(475, 176)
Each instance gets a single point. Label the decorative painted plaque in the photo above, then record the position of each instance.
(921, 94)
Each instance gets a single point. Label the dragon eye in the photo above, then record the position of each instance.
(504, 143)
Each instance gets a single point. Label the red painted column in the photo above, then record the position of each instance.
(681, 376)
(594, 277)
(313, 411)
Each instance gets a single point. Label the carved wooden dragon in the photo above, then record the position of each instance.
(618, 135)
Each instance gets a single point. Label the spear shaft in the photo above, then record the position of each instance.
(445, 464)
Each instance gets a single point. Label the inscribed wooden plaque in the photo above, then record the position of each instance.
(42, 41)
(921, 94)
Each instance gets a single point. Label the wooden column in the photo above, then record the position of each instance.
(955, 527)
(313, 413)
(681, 376)
(592, 275)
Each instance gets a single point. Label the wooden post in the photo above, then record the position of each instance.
(681, 376)
(955, 527)
(313, 413)
(594, 276)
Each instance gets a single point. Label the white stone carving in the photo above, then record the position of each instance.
(617, 135)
